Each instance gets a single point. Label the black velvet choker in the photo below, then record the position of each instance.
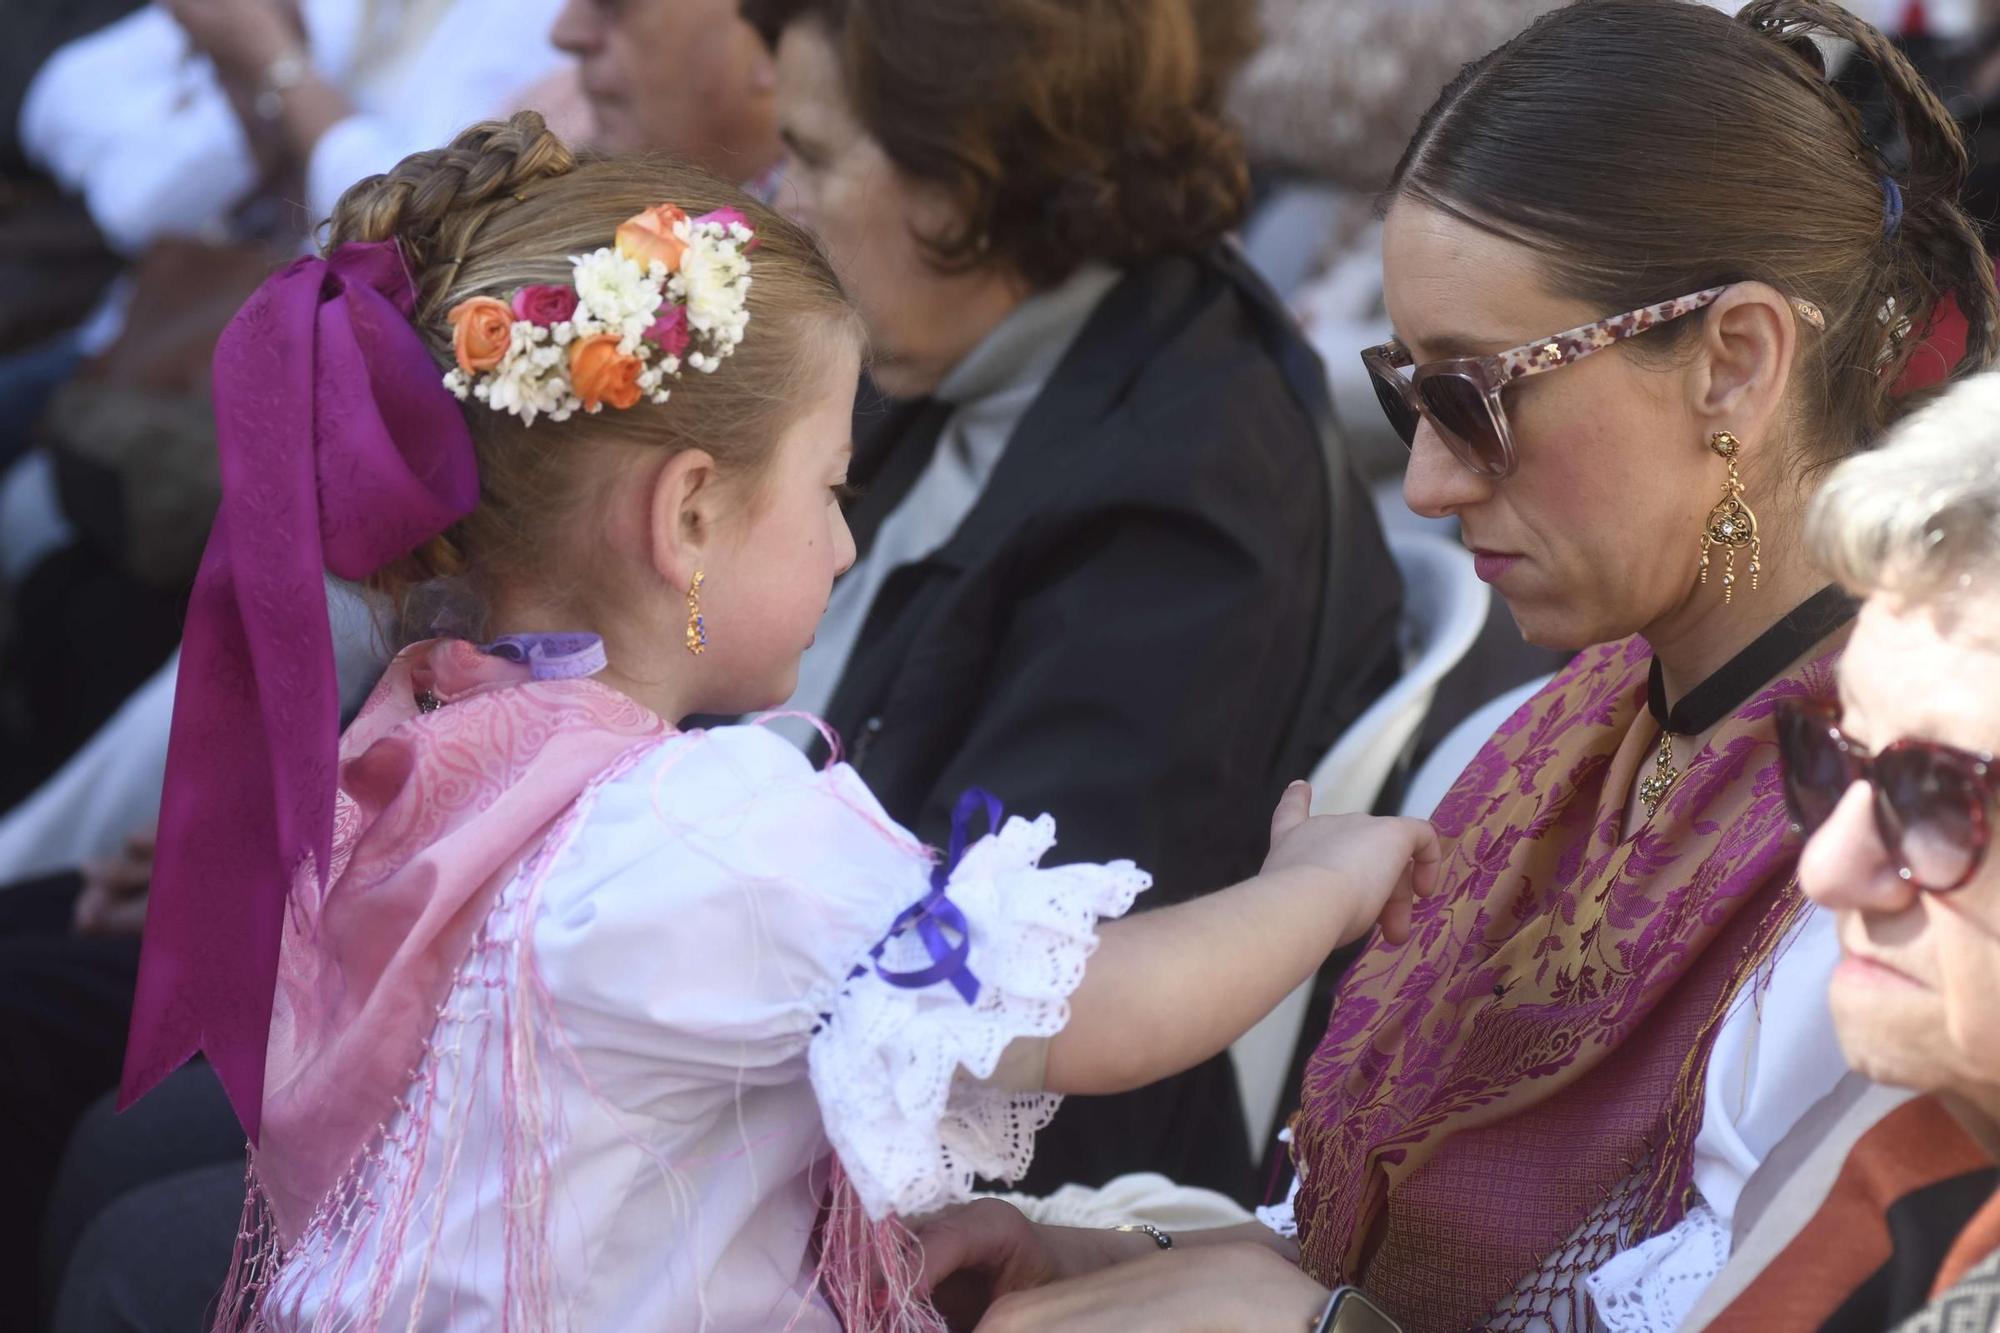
(1730, 685)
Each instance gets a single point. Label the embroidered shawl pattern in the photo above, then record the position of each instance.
(1535, 1055)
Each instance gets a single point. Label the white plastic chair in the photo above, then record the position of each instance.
(108, 789)
(1444, 608)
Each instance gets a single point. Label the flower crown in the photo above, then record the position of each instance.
(669, 292)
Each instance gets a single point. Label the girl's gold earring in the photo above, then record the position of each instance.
(697, 631)
(1732, 525)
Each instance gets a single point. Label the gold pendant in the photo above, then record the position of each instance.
(1654, 789)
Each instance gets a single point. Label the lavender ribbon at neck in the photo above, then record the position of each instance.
(552, 656)
(341, 451)
(936, 918)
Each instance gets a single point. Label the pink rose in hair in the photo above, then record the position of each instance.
(544, 305)
(670, 331)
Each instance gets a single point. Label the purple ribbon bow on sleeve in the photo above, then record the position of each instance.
(341, 450)
(937, 919)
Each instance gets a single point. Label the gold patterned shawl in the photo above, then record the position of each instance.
(1534, 1057)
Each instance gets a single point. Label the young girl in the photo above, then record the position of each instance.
(569, 1018)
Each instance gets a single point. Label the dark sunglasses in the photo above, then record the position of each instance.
(1460, 397)
(1933, 803)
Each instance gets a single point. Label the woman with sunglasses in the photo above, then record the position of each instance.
(1648, 278)
(1896, 785)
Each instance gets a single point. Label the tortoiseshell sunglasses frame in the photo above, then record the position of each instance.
(1489, 375)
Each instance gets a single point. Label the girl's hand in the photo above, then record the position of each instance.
(1242, 1288)
(1381, 864)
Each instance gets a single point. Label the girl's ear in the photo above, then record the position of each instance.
(686, 502)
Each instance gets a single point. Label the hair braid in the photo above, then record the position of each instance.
(434, 203)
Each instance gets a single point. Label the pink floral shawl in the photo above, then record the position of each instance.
(435, 814)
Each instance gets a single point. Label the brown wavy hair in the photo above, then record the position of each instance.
(1066, 131)
(1652, 148)
(503, 206)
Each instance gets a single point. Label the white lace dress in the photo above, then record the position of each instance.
(721, 1026)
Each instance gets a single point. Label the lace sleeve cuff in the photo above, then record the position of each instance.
(901, 1071)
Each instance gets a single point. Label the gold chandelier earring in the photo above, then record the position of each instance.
(1731, 526)
(697, 629)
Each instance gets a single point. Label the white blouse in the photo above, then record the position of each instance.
(1774, 1057)
(704, 941)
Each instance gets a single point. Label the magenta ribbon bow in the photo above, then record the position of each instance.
(341, 450)
(936, 918)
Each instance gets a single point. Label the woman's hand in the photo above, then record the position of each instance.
(976, 1254)
(242, 37)
(116, 888)
(1241, 1288)
(1381, 864)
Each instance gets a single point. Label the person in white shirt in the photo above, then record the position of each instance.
(168, 120)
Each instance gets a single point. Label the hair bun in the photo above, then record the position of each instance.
(1791, 31)
(1935, 145)
(434, 202)
(1177, 186)
(1921, 163)
(1183, 185)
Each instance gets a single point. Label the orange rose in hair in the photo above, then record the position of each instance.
(600, 373)
(481, 330)
(650, 236)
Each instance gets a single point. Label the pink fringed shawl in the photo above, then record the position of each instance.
(436, 813)
(1534, 1056)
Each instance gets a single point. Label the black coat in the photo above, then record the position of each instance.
(1170, 598)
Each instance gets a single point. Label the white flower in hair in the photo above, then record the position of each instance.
(710, 285)
(529, 382)
(615, 292)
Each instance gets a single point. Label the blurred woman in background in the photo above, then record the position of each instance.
(1106, 528)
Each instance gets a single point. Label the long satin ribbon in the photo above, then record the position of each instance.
(341, 451)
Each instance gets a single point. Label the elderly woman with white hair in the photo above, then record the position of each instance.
(1896, 787)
